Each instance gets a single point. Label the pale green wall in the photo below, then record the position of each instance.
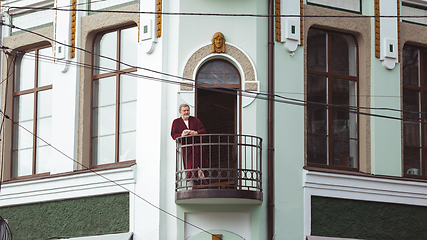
(258, 216)
(385, 93)
(385, 133)
(289, 144)
(250, 35)
(225, 235)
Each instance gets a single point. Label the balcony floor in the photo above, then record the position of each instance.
(218, 196)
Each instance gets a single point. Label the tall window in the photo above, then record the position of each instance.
(414, 100)
(332, 127)
(114, 97)
(32, 110)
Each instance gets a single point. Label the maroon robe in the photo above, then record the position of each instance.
(191, 155)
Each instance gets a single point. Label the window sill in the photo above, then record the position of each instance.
(355, 172)
(84, 183)
(331, 167)
(48, 175)
(113, 165)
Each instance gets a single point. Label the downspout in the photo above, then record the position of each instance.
(270, 155)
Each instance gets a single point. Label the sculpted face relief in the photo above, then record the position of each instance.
(218, 43)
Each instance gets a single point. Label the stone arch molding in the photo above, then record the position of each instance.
(232, 54)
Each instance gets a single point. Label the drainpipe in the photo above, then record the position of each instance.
(270, 156)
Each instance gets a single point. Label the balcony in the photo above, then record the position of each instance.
(218, 169)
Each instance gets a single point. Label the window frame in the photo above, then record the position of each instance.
(35, 90)
(421, 89)
(117, 73)
(330, 109)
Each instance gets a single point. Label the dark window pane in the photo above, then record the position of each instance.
(204, 78)
(218, 67)
(410, 66)
(317, 148)
(344, 152)
(411, 102)
(316, 89)
(218, 78)
(231, 78)
(218, 72)
(411, 134)
(316, 50)
(339, 54)
(412, 160)
(207, 68)
(228, 68)
(343, 94)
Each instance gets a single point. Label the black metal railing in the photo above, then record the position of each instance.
(218, 161)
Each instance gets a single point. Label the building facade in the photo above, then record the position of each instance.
(90, 91)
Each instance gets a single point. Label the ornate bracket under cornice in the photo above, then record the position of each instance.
(386, 31)
(288, 30)
(148, 33)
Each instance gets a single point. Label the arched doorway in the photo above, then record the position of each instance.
(216, 99)
(217, 106)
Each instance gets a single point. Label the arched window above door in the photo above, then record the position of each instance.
(219, 72)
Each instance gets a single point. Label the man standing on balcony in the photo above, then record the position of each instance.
(187, 125)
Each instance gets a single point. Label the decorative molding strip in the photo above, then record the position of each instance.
(73, 29)
(277, 21)
(365, 188)
(54, 33)
(398, 30)
(159, 18)
(66, 187)
(377, 28)
(302, 23)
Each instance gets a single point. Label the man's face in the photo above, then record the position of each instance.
(185, 112)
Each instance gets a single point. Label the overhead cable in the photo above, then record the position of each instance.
(215, 14)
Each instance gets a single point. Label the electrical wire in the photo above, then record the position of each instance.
(102, 176)
(345, 108)
(301, 102)
(219, 14)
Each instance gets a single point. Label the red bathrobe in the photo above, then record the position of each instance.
(191, 155)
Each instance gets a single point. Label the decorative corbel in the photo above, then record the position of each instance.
(149, 26)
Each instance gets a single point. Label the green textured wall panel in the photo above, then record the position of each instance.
(333, 217)
(69, 218)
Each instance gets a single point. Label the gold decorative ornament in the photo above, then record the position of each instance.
(301, 12)
(277, 21)
(218, 43)
(73, 29)
(377, 28)
(159, 18)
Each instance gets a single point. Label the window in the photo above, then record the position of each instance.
(32, 110)
(332, 127)
(114, 97)
(415, 100)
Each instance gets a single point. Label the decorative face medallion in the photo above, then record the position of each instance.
(218, 43)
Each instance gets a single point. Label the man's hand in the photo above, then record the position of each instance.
(193, 132)
(185, 132)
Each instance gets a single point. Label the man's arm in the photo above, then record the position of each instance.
(175, 131)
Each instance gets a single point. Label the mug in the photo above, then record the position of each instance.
(413, 171)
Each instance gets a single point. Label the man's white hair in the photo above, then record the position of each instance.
(183, 105)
